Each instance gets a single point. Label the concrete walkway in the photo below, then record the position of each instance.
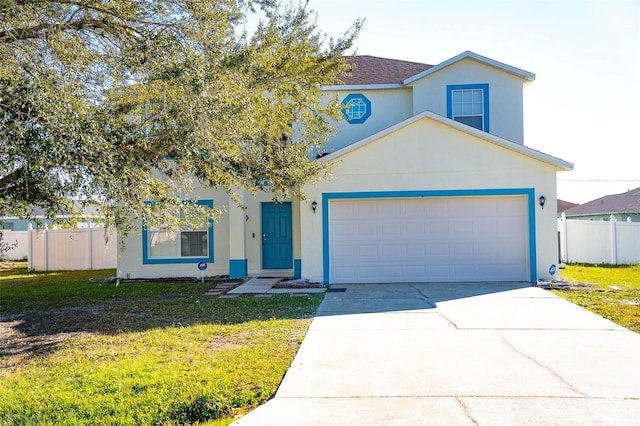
(457, 354)
(263, 285)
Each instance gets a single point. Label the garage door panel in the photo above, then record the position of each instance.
(343, 251)
(394, 250)
(464, 227)
(441, 209)
(344, 231)
(365, 229)
(368, 251)
(439, 272)
(415, 229)
(416, 271)
(369, 273)
(487, 227)
(391, 271)
(386, 210)
(392, 229)
(490, 250)
(428, 239)
(416, 250)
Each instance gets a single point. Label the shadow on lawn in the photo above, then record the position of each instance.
(39, 333)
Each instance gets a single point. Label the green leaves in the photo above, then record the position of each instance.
(226, 108)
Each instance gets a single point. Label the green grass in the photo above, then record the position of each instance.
(76, 350)
(620, 306)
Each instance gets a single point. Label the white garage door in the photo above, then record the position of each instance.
(428, 240)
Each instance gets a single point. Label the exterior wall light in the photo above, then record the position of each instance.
(314, 206)
(542, 200)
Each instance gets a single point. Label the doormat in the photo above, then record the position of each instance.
(304, 283)
(336, 290)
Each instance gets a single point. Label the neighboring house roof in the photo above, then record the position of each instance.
(375, 70)
(504, 143)
(564, 205)
(626, 202)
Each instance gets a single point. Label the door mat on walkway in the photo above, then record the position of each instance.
(336, 290)
(303, 283)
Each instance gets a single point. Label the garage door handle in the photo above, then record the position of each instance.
(264, 240)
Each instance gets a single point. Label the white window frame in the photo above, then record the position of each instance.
(178, 257)
(469, 108)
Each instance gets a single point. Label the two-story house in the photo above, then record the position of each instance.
(430, 182)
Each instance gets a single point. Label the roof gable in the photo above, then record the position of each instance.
(525, 75)
(626, 202)
(504, 143)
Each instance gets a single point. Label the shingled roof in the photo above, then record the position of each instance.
(564, 205)
(626, 202)
(374, 70)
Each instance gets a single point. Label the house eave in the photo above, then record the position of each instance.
(352, 87)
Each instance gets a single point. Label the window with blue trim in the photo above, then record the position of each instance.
(189, 245)
(356, 109)
(469, 104)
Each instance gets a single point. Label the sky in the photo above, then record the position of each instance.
(583, 107)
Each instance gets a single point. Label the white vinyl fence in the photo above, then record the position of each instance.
(18, 239)
(67, 249)
(590, 241)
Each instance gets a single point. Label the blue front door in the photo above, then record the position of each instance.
(277, 241)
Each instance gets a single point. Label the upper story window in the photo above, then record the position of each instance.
(356, 108)
(469, 104)
(190, 245)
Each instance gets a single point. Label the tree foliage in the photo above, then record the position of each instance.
(126, 101)
(5, 248)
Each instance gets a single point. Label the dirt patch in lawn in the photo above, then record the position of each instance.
(17, 349)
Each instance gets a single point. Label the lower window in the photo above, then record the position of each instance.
(178, 244)
(183, 246)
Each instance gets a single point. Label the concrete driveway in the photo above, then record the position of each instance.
(467, 354)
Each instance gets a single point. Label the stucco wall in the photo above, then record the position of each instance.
(130, 261)
(428, 155)
(388, 107)
(253, 230)
(505, 95)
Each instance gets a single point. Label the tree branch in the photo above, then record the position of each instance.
(39, 31)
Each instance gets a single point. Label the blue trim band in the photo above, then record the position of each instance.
(528, 192)
(297, 269)
(167, 261)
(485, 110)
(237, 268)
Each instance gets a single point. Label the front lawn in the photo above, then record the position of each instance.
(614, 294)
(77, 350)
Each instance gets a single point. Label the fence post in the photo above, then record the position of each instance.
(29, 246)
(614, 240)
(46, 247)
(90, 245)
(565, 238)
